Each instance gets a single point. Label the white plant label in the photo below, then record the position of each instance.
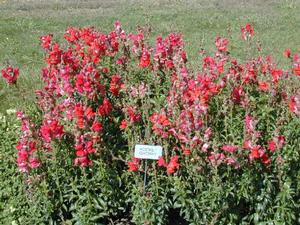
(148, 151)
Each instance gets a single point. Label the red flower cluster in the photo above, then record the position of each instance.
(247, 31)
(27, 145)
(172, 166)
(103, 82)
(77, 96)
(10, 74)
(115, 84)
(51, 130)
(133, 165)
(296, 61)
(83, 149)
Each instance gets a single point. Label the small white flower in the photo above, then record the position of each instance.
(11, 111)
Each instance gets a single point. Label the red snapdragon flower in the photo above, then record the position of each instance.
(287, 53)
(82, 161)
(83, 149)
(55, 55)
(173, 165)
(72, 35)
(34, 163)
(97, 126)
(276, 143)
(123, 125)
(247, 31)
(105, 109)
(161, 162)
(133, 165)
(265, 159)
(46, 41)
(27, 146)
(134, 117)
(237, 94)
(276, 74)
(22, 160)
(272, 145)
(186, 151)
(221, 44)
(263, 86)
(51, 129)
(115, 84)
(160, 123)
(89, 113)
(10, 74)
(145, 59)
(248, 144)
(296, 69)
(256, 152)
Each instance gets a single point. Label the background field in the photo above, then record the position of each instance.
(276, 23)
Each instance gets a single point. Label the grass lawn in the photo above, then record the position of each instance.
(276, 25)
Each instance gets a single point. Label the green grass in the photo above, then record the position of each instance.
(276, 25)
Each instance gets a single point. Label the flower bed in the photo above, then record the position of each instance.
(229, 132)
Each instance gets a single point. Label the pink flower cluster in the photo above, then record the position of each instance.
(188, 113)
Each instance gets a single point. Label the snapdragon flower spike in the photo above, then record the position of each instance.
(247, 31)
(50, 130)
(72, 35)
(138, 92)
(83, 147)
(27, 146)
(145, 59)
(232, 161)
(123, 125)
(229, 148)
(216, 158)
(97, 126)
(250, 124)
(133, 165)
(221, 44)
(10, 74)
(287, 53)
(173, 165)
(134, 116)
(272, 145)
(105, 108)
(161, 162)
(257, 153)
(276, 143)
(46, 41)
(160, 124)
(296, 64)
(137, 41)
(55, 54)
(294, 104)
(263, 86)
(115, 84)
(237, 94)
